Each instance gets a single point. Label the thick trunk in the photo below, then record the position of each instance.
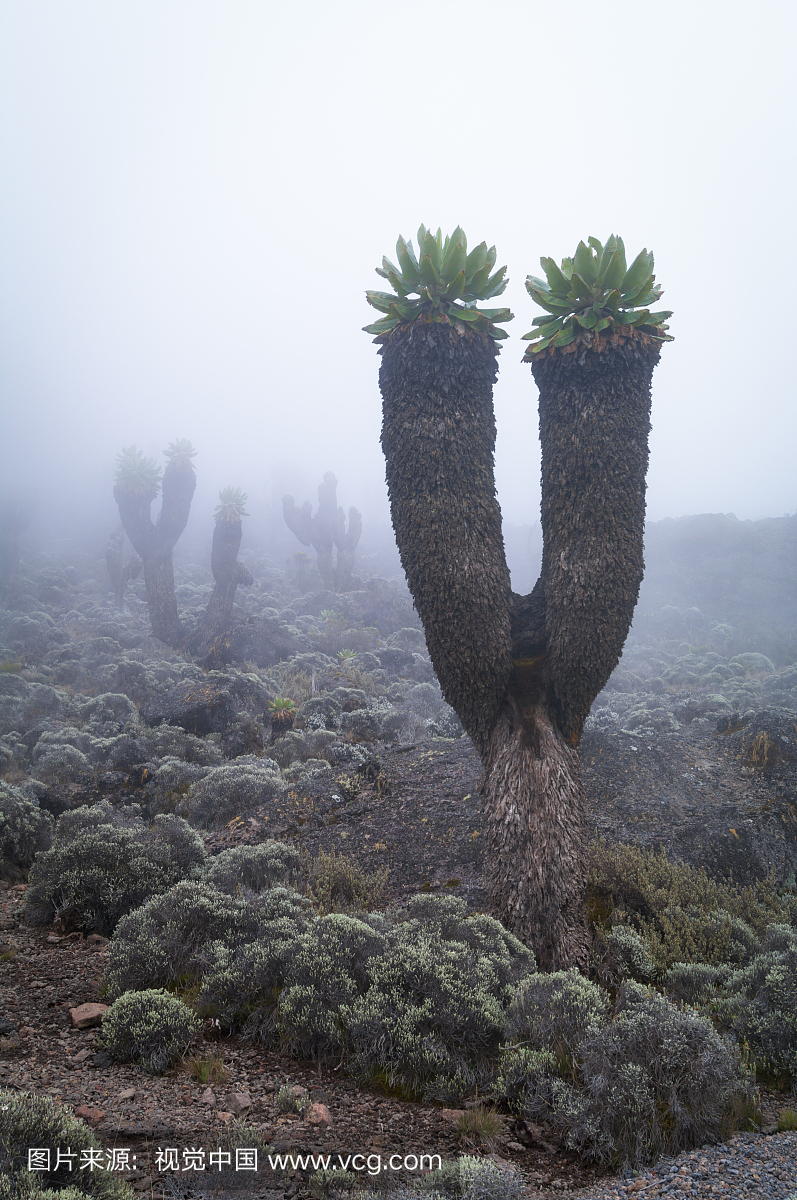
(594, 424)
(438, 436)
(535, 832)
(228, 574)
(163, 617)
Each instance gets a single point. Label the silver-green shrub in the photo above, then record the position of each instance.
(166, 941)
(28, 1120)
(472, 1178)
(555, 1013)
(253, 868)
(331, 968)
(654, 1080)
(231, 789)
(152, 1028)
(431, 1020)
(104, 863)
(632, 953)
(767, 1017)
(241, 985)
(25, 831)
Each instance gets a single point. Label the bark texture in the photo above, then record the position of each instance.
(535, 833)
(438, 437)
(594, 425)
(155, 542)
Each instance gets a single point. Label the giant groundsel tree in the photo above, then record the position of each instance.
(138, 481)
(521, 671)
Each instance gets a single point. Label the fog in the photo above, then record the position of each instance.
(195, 196)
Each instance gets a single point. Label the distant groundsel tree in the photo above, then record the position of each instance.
(228, 572)
(326, 530)
(521, 672)
(138, 481)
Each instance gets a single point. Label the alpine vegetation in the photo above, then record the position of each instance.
(152, 1028)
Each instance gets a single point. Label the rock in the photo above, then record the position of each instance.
(265, 641)
(80, 1057)
(319, 1114)
(92, 1116)
(87, 1016)
(127, 1094)
(238, 1103)
(9, 1037)
(200, 707)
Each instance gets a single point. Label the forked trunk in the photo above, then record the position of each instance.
(522, 672)
(155, 542)
(438, 437)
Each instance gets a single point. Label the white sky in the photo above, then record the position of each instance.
(195, 195)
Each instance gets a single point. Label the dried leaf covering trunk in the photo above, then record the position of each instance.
(521, 672)
(155, 542)
(438, 437)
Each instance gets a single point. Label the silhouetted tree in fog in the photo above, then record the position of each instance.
(137, 484)
(227, 571)
(326, 529)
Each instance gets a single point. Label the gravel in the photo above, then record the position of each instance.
(749, 1167)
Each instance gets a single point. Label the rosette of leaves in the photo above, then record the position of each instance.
(282, 711)
(180, 450)
(136, 474)
(443, 282)
(592, 292)
(232, 504)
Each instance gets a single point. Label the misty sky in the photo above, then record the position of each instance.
(195, 195)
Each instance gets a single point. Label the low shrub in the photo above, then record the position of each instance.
(472, 1178)
(654, 1080)
(232, 789)
(682, 914)
(25, 831)
(767, 1016)
(152, 1028)
(337, 882)
(253, 868)
(241, 985)
(556, 1013)
(331, 967)
(430, 1021)
(104, 863)
(164, 943)
(28, 1120)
